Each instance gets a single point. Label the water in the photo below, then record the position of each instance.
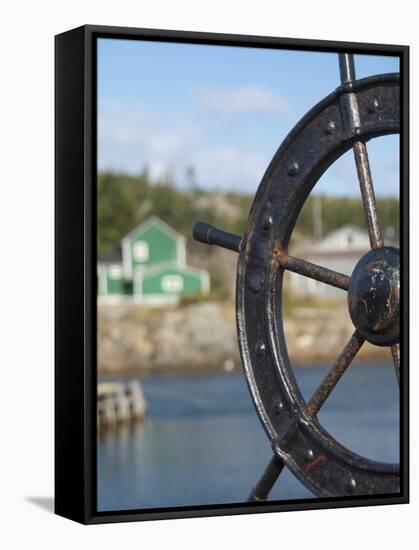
(203, 444)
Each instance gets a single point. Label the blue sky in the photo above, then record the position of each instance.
(223, 110)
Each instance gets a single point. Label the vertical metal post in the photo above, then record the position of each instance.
(346, 67)
(347, 75)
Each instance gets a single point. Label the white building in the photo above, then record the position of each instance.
(339, 250)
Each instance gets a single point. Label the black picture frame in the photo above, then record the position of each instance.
(75, 272)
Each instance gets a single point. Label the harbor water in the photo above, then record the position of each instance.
(202, 442)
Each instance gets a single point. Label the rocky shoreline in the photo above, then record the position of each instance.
(202, 336)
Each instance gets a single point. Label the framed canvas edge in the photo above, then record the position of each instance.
(75, 419)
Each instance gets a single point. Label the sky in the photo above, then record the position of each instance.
(222, 110)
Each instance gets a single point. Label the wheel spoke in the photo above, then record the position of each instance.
(368, 195)
(346, 67)
(395, 352)
(264, 486)
(313, 271)
(334, 375)
(347, 75)
(276, 465)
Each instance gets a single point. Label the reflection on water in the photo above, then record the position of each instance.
(203, 444)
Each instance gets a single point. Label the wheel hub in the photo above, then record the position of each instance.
(374, 296)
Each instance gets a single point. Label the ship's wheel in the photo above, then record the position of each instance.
(357, 111)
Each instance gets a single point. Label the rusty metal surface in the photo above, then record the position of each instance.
(354, 113)
(368, 196)
(323, 135)
(334, 375)
(351, 113)
(313, 271)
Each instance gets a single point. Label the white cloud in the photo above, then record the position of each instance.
(131, 137)
(230, 167)
(248, 99)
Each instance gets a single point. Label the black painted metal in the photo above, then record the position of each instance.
(273, 470)
(354, 113)
(208, 234)
(374, 296)
(346, 67)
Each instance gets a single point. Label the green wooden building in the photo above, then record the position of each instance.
(151, 268)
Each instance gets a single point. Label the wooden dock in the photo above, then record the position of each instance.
(119, 403)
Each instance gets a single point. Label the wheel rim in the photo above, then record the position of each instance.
(322, 464)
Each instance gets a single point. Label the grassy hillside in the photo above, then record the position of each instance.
(125, 200)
